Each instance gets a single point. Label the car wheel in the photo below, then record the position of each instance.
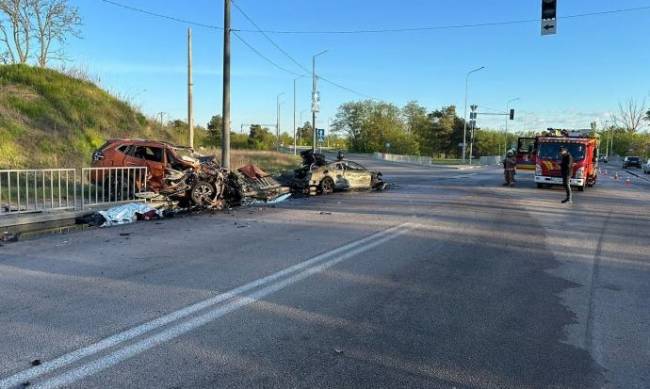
(540, 186)
(326, 186)
(203, 193)
(581, 188)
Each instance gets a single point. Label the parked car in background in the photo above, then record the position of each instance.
(631, 162)
(603, 159)
(646, 167)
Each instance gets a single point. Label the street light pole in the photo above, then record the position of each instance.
(295, 144)
(314, 98)
(505, 144)
(277, 122)
(465, 125)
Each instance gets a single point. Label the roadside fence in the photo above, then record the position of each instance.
(44, 190)
(415, 159)
(111, 185)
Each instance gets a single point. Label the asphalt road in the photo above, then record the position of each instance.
(446, 280)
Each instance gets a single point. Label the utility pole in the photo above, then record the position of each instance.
(277, 122)
(161, 119)
(465, 125)
(315, 98)
(190, 104)
(294, 115)
(225, 145)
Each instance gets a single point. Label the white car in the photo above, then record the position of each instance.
(646, 167)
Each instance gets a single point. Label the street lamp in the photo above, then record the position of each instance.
(294, 113)
(277, 122)
(505, 144)
(466, 91)
(314, 97)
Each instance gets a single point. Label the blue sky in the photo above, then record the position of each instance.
(569, 79)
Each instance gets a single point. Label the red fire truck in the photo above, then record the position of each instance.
(526, 153)
(581, 145)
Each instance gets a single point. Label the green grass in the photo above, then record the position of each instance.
(48, 119)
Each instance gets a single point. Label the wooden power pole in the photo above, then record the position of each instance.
(190, 85)
(225, 145)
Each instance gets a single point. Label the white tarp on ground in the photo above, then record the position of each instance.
(125, 214)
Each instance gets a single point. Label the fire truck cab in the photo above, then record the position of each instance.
(583, 148)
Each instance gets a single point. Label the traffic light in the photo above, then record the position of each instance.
(512, 114)
(549, 9)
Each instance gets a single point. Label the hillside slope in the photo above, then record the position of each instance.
(48, 119)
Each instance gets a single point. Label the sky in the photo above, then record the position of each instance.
(566, 80)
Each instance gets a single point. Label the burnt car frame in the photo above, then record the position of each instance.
(323, 177)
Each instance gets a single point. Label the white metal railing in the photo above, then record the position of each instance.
(36, 190)
(106, 185)
(415, 159)
(40, 190)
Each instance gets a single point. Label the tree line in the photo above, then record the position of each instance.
(374, 126)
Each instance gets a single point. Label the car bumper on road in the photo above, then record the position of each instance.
(558, 180)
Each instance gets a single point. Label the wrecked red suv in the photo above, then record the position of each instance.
(157, 156)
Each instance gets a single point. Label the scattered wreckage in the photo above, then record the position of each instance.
(180, 179)
(320, 176)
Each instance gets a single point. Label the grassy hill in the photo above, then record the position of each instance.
(48, 119)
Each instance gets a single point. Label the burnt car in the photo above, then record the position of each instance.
(319, 176)
(175, 172)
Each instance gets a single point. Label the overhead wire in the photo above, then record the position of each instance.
(268, 37)
(380, 30)
(259, 54)
(277, 46)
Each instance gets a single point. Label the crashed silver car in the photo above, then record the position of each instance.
(318, 176)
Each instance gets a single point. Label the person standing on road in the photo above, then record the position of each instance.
(509, 168)
(566, 168)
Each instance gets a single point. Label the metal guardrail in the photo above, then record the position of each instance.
(109, 185)
(35, 190)
(41, 190)
(415, 159)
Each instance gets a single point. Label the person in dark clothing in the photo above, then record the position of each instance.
(566, 168)
(509, 168)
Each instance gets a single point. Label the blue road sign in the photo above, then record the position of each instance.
(320, 133)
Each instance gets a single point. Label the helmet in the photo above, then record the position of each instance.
(510, 153)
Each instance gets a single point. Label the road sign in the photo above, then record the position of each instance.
(320, 132)
(549, 27)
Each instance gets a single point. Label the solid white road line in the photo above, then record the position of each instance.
(144, 328)
(177, 330)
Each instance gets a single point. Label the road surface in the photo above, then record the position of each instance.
(447, 280)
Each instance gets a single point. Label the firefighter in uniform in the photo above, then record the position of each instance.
(509, 168)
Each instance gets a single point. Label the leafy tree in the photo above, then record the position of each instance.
(260, 138)
(305, 134)
(375, 126)
(215, 128)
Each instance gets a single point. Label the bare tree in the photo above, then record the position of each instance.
(15, 30)
(55, 21)
(630, 114)
(43, 24)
